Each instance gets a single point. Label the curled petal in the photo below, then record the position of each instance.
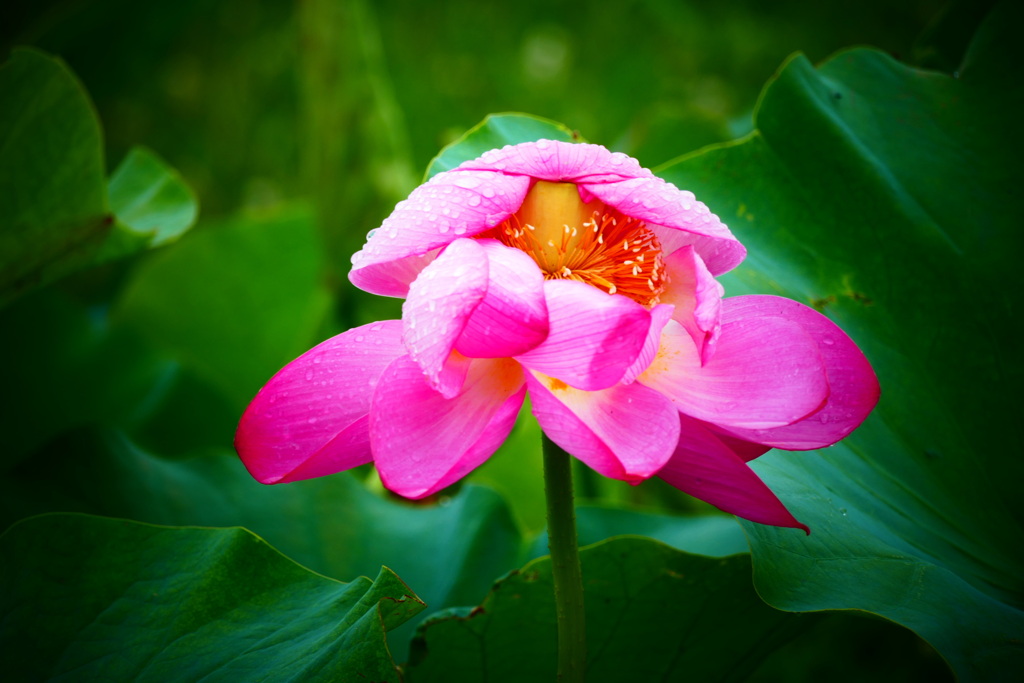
(440, 303)
(854, 387)
(512, 318)
(451, 205)
(423, 441)
(310, 418)
(625, 432)
(594, 336)
(766, 372)
(697, 297)
(704, 467)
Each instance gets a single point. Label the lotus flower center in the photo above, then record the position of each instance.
(588, 242)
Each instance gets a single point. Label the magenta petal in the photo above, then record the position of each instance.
(440, 303)
(594, 336)
(310, 418)
(697, 297)
(451, 205)
(704, 467)
(766, 372)
(625, 432)
(423, 441)
(512, 318)
(854, 387)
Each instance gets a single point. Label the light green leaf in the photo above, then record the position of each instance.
(91, 598)
(152, 203)
(886, 196)
(494, 132)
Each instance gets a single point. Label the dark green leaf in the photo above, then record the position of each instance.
(53, 203)
(449, 552)
(494, 132)
(885, 196)
(653, 613)
(90, 598)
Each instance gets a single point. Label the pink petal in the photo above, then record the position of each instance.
(625, 432)
(660, 315)
(854, 387)
(594, 336)
(441, 301)
(310, 418)
(423, 441)
(704, 467)
(766, 372)
(450, 205)
(513, 317)
(697, 298)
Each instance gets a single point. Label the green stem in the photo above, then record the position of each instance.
(565, 563)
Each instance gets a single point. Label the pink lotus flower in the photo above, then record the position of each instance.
(572, 273)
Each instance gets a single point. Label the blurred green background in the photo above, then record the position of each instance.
(299, 125)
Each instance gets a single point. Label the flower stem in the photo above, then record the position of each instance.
(565, 564)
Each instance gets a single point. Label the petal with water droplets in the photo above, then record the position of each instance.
(310, 418)
(854, 389)
(423, 441)
(450, 205)
(766, 372)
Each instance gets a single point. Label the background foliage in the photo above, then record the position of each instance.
(297, 127)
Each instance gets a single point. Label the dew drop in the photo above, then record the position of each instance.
(359, 338)
(309, 375)
(474, 200)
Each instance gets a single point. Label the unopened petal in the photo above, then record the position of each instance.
(697, 297)
(704, 467)
(423, 441)
(625, 432)
(451, 205)
(854, 388)
(594, 337)
(310, 418)
(766, 372)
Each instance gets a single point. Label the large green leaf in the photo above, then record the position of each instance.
(90, 598)
(494, 132)
(449, 552)
(885, 196)
(653, 613)
(54, 208)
